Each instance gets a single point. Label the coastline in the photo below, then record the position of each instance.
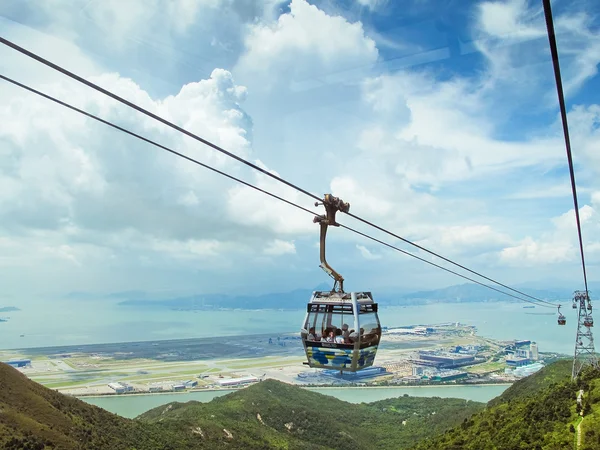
(87, 371)
(410, 386)
(230, 390)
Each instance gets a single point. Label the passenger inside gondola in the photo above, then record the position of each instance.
(345, 332)
(352, 337)
(312, 335)
(330, 334)
(372, 337)
(339, 338)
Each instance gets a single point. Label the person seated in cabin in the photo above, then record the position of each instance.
(352, 337)
(339, 338)
(345, 332)
(372, 337)
(312, 335)
(329, 334)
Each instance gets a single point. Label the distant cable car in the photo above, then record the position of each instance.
(588, 321)
(561, 319)
(574, 305)
(341, 330)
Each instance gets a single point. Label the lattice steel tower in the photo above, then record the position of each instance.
(584, 342)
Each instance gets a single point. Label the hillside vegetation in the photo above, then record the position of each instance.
(33, 417)
(272, 413)
(538, 412)
(269, 414)
(550, 375)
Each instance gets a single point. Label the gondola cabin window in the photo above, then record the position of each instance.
(341, 331)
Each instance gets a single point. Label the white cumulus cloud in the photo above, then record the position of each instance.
(560, 244)
(304, 43)
(279, 247)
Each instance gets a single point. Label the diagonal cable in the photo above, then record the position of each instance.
(544, 304)
(563, 115)
(216, 147)
(206, 166)
(446, 259)
(150, 114)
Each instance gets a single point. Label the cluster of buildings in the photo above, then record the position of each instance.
(466, 349)
(121, 388)
(434, 374)
(522, 359)
(176, 387)
(170, 386)
(521, 353)
(444, 360)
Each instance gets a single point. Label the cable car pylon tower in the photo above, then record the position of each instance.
(584, 341)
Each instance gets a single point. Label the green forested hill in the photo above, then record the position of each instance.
(271, 412)
(530, 386)
(539, 412)
(34, 417)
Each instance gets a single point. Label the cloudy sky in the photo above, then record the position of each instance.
(436, 119)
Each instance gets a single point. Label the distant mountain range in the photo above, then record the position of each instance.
(464, 293)
(285, 300)
(470, 292)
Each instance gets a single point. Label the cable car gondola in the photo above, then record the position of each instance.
(341, 330)
(588, 321)
(561, 319)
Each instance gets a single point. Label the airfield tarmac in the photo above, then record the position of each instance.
(88, 369)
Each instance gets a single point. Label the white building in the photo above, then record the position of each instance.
(236, 381)
(117, 387)
(525, 371)
(533, 347)
(417, 370)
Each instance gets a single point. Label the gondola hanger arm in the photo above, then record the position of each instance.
(332, 206)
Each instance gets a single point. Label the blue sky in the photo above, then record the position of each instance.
(438, 120)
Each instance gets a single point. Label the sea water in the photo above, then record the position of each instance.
(62, 322)
(71, 323)
(134, 405)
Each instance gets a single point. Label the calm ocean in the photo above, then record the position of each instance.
(92, 322)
